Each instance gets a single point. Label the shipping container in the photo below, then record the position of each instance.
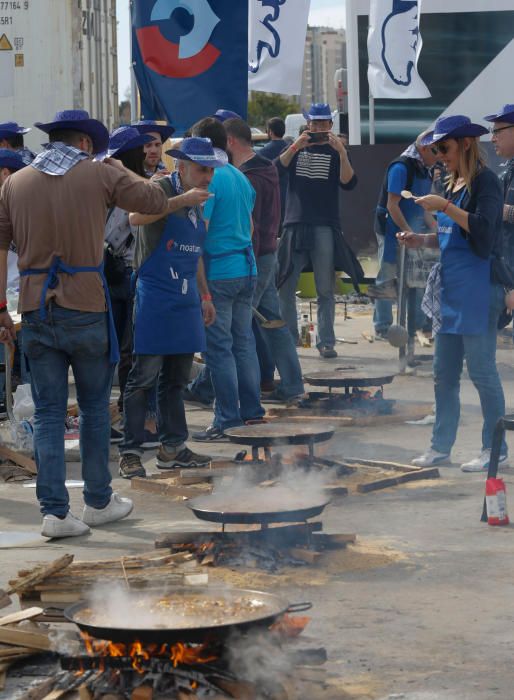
(54, 55)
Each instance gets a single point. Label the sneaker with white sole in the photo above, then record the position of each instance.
(116, 509)
(70, 526)
(430, 458)
(481, 463)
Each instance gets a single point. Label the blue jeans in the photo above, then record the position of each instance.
(279, 340)
(171, 372)
(480, 354)
(322, 261)
(383, 313)
(231, 356)
(202, 387)
(80, 340)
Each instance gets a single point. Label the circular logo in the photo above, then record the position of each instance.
(192, 54)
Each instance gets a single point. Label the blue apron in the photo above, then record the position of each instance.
(52, 280)
(465, 281)
(247, 251)
(168, 316)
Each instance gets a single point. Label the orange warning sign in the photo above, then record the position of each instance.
(5, 44)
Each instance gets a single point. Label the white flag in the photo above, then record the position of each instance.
(276, 44)
(394, 45)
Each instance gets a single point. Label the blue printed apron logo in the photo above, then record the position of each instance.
(268, 38)
(400, 36)
(190, 54)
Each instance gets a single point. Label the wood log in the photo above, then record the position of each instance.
(143, 692)
(7, 651)
(26, 614)
(167, 488)
(337, 541)
(39, 574)
(20, 638)
(396, 480)
(306, 555)
(21, 460)
(276, 532)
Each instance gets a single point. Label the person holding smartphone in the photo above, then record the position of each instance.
(317, 166)
(466, 310)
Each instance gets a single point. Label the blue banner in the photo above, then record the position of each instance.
(190, 58)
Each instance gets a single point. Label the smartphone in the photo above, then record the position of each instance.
(318, 136)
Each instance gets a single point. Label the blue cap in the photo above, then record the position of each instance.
(456, 127)
(223, 114)
(125, 138)
(79, 120)
(8, 129)
(145, 126)
(506, 114)
(318, 110)
(199, 150)
(11, 159)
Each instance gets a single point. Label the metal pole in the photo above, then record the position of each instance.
(371, 119)
(133, 84)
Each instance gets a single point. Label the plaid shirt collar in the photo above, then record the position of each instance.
(58, 158)
(26, 155)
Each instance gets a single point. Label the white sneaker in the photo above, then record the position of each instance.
(116, 509)
(430, 458)
(70, 526)
(481, 463)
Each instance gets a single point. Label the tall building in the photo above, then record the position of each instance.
(325, 52)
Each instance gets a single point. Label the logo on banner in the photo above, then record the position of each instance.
(400, 37)
(267, 37)
(189, 54)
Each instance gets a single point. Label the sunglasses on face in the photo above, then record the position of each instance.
(440, 148)
(494, 131)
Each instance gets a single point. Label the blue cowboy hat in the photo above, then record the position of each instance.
(318, 110)
(11, 159)
(199, 150)
(506, 114)
(456, 127)
(223, 114)
(79, 120)
(145, 126)
(9, 129)
(125, 138)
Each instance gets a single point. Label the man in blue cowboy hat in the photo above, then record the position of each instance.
(223, 114)
(171, 307)
(54, 212)
(502, 133)
(11, 136)
(317, 166)
(231, 357)
(153, 149)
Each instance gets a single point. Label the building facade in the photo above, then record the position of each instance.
(325, 52)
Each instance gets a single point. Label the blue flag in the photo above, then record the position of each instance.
(190, 58)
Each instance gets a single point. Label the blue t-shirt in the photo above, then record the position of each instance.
(413, 213)
(229, 215)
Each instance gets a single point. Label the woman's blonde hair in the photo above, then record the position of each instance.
(471, 161)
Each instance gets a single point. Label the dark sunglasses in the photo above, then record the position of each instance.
(494, 131)
(440, 148)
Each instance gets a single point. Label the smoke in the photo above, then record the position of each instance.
(294, 489)
(258, 658)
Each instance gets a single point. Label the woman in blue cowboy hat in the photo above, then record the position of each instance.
(466, 311)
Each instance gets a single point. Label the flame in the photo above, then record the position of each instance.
(176, 653)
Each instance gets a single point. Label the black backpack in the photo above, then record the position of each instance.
(381, 212)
